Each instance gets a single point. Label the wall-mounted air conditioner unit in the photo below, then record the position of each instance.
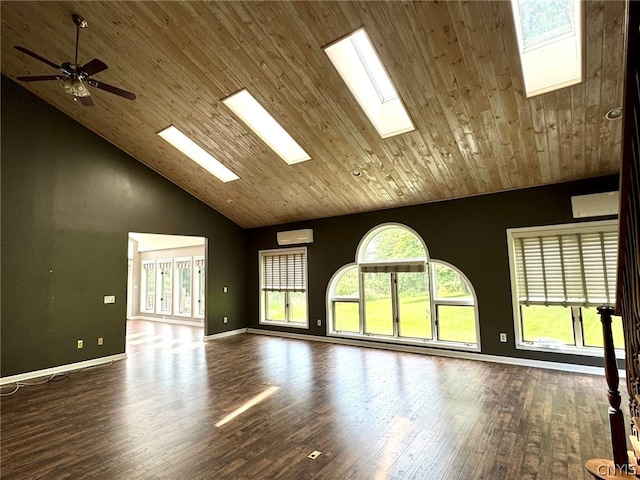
(596, 205)
(294, 237)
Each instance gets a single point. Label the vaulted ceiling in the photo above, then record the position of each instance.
(455, 65)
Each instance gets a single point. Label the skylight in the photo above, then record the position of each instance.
(245, 106)
(550, 43)
(196, 153)
(361, 69)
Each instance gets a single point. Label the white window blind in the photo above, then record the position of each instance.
(164, 266)
(183, 264)
(393, 267)
(285, 272)
(567, 269)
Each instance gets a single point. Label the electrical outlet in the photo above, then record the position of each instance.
(503, 337)
(319, 322)
(224, 319)
(80, 343)
(109, 299)
(100, 341)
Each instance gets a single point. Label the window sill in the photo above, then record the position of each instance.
(284, 324)
(567, 350)
(467, 347)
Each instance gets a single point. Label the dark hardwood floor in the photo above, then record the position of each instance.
(254, 407)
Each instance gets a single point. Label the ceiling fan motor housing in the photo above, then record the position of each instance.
(75, 87)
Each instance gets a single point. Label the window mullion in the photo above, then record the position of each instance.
(287, 309)
(578, 325)
(395, 304)
(361, 315)
(432, 304)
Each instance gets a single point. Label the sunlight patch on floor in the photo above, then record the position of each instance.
(251, 403)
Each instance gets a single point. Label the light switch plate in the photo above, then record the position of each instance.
(109, 299)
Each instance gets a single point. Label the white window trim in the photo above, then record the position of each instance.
(282, 251)
(364, 242)
(571, 228)
(176, 287)
(160, 287)
(360, 251)
(143, 290)
(196, 288)
(436, 301)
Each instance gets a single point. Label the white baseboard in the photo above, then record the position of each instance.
(167, 320)
(62, 369)
(523, 362)
(215, 336)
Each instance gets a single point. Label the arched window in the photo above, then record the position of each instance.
(391, 242)
(346, 299)
(394, 292)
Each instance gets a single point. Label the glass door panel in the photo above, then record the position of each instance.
(378, 305)
(183, 306)
(413, 305)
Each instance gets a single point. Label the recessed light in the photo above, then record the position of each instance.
(230, 201)
(356, 173)
(614, 113)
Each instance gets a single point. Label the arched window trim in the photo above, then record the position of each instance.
(435, 301)
(334, 280)
(448, 301)
(362, 246)
(333, 299)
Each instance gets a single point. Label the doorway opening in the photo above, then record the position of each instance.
(167, 279)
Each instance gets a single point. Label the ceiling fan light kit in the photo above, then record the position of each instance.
(76, 77)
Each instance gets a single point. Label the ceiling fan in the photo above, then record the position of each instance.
(75, 77)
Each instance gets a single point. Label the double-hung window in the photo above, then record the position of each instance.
(283, 287)
(559, 276)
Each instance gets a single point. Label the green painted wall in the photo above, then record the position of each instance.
(470, 233)
(69, 199)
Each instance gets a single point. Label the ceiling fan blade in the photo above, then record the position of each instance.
(93, 67)
(111, 89)
(38, 57)
(86, 101)
(40, 78)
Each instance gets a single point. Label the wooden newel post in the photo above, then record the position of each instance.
(616, 419)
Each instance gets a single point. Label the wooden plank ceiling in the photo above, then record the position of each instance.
(455, 66)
